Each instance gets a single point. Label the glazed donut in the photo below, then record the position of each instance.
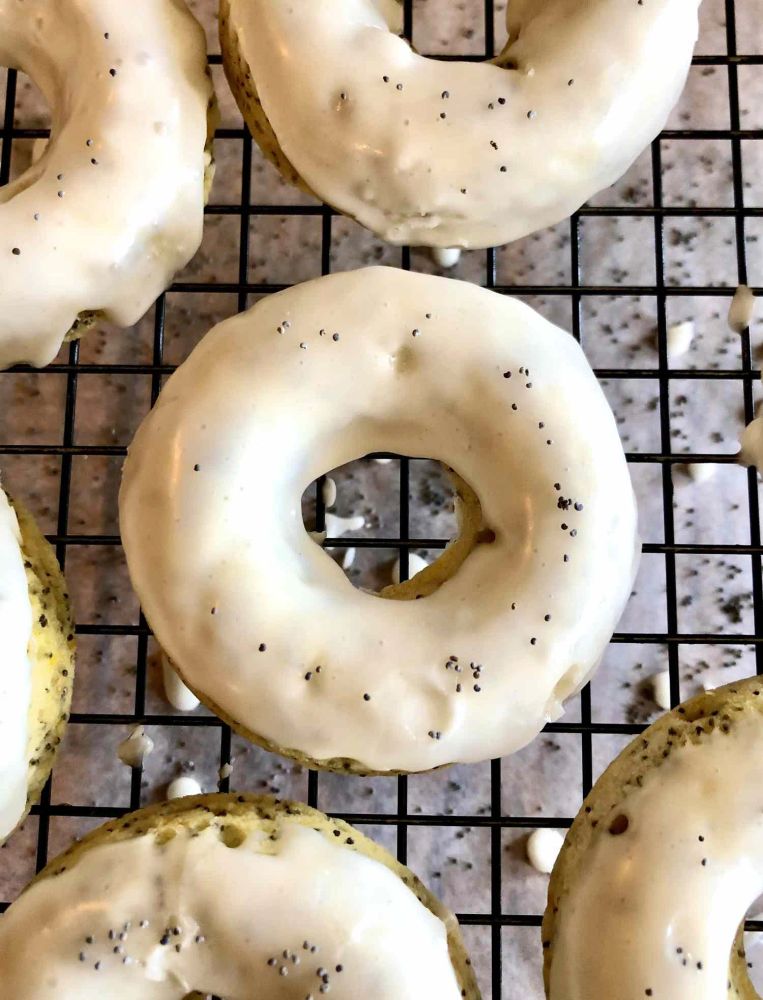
(114, 206)
(270, 633)
(451, 153)
(238, 896)
(36, 662)
(650, 891)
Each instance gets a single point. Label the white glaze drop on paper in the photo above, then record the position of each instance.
(679, 338)
(183, 786)
(660, 685)
(741, 309)
(416, 564)
(446, 257)
(751, 452)
(189, 916)
(179, 695)
(15, 671)
(701, 472)
(542, 849)
(134, 749)
(328, 491)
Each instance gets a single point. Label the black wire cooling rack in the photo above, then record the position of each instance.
(499, 982)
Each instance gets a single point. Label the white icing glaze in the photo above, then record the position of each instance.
(347, 558)
(660, 683)
(647, 902)
(337, 526)
(253, 605)
(415, 565)
(225, 771)
(411, 157)
(183, 786)
(679, 338)
(328, 492)
(135, 747)
(741, 309)
(234, 909)
(178, 694)
(701, 472)
(15, 671)
(543, 847)
(128, 90)
(751, 451)
(446, 257)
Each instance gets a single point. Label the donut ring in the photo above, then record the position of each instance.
(171, 890)
(445, 154)
(649, 894)
(36, 662)
(270, 633)
(98, 226)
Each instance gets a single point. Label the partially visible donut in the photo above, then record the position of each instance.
(36, 662)
(650, 891)
(113, 208)
(268, 631)
(239, 896)
(454, 153)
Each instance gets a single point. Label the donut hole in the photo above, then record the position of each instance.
(31, 112)
(362, 508)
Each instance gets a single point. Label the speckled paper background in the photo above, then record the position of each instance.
(703, 416)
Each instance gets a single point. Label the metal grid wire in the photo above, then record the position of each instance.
(403, 818)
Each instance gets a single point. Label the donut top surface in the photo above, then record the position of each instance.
(15, 671)
(455, 153)
(114, 206)
(281, 916)
(266, 627)
(671, 869)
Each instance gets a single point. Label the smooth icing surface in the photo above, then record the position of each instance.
(659, 906)
(114, 206)
(15, 671)
(197, 915)
(449, 153)
(257, 618)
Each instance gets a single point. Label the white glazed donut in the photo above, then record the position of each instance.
(16, 672)
(36, 662)
(267, 629)
(659, 868)
(238, 896)
(114, 206)
(447, 153)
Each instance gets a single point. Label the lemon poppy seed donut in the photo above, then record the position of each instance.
(456, 153)
(36, 662)
(650, 891)
(114, 207)
(266, 629)
(239, 896)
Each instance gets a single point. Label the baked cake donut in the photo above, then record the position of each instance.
(36, 662)
(456, 153)
(649, 894)
(237, 896)
(114, 207)
(267, 630)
